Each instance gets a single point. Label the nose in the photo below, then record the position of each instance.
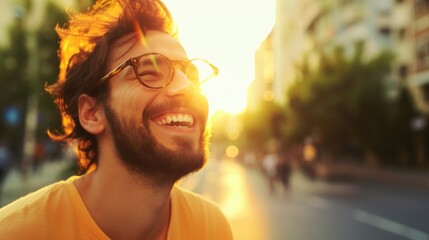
(180, 85)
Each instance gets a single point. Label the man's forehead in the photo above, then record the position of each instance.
(132, 45)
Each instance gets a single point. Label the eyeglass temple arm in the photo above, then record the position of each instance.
(215, 70)
(116, 70)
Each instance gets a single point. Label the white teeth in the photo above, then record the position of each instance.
(180, 118)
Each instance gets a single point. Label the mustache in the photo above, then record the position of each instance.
(198, 109)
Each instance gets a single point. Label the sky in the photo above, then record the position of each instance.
(227, 33)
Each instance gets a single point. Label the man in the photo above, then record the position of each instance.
(131, 102)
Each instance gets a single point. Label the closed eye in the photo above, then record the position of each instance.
(151, 76)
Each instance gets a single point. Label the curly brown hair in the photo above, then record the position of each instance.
(85, 41)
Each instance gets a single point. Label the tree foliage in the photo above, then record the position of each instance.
(263, 124)
(16, 82)
(344, 104)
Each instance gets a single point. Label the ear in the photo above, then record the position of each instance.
(91, 115)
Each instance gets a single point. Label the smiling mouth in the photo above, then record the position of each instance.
(176, 120)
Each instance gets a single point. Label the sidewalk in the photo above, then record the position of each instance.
(404, 177)
(15, 186)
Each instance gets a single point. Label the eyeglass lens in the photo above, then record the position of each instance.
(199, 71)
(156, 70)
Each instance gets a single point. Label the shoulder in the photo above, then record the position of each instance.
(32, 211)
(29, 201)
(185, 198)
(197, 212)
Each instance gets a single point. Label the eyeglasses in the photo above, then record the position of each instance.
(155, 70)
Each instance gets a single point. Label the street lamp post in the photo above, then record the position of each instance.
(32, 104)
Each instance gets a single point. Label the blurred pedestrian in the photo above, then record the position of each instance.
(131, 100)
(309, 152)
(269, 164)
(309, 159)
(284, 168)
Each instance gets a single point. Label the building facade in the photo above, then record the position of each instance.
(306, 27)
(261, 88)
(419, 74)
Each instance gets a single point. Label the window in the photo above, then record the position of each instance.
(421, 8)
(422, 54)
(385, 31)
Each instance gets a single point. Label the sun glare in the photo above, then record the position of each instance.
(227, 33)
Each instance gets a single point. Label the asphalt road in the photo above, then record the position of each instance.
(348, 210)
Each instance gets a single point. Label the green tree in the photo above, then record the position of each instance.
(343, 101)
(399, 148)
(263, 124)
(48, 45)
(16, 87)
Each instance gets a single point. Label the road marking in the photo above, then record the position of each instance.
(390, 226)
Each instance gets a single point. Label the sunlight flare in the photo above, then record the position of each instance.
(227, 33)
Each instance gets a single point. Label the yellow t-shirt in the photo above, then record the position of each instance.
(195, 218)
(58, 212)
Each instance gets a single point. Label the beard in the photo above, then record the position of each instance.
(143, 155)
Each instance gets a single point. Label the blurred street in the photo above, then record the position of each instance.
(312, 209)
(309, 210)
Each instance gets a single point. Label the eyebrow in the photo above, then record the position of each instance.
(147, 61)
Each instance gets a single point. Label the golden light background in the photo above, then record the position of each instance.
(227, 33)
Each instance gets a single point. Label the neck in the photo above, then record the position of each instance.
(126, 205)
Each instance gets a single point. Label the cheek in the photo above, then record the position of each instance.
(203, 104)
(131, 102)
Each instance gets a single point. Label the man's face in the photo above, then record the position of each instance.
(144, 122)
